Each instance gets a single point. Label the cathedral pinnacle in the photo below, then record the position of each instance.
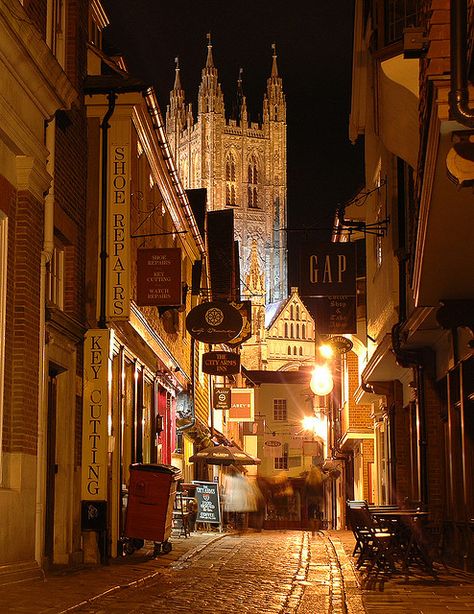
(274, 63)
(209, 61)
(177, 80)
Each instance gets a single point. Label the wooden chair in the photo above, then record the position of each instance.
(376, 546)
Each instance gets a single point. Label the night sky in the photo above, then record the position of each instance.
(314, 48)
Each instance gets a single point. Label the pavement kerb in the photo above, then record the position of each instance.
(146, 578)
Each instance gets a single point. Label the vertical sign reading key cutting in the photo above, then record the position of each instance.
(97, 367)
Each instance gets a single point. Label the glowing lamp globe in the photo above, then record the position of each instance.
(321, 381)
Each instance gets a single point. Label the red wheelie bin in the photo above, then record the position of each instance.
(151, 495)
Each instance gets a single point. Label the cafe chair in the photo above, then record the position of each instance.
(376, 546)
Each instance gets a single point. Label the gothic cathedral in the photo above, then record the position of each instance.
(242, 164)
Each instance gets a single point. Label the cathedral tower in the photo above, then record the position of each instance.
(242, 164)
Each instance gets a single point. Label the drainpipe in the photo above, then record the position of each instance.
(112, 97)
(459, 94)
(46, 254)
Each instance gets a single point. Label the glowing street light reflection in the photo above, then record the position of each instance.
(321, 382)
(316, 425)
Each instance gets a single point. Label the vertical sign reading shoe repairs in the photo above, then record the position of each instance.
(118, 229)
(97, 367)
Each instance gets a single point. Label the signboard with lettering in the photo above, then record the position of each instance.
(242, 405)
(159, 277)
(118, 232)
(335, 315)
(340, 345)
(245, 310)
(208, 504)
(97, 356)
(214, 322)
(221, 398)
(220, 363)
(327, 269)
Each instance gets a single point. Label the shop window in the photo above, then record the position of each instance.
(280, 462)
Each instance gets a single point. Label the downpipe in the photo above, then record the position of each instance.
(46, 255)
(459, 93)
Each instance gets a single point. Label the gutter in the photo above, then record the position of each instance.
(459, 93)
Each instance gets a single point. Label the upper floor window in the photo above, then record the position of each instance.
(400, 14)
(230, 181)
(303, 331)
(55, 276)
(252, 182)
(297, 312)
(280, 410)
(56, 29)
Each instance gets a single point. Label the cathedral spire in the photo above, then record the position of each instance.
(210, 60)
(274, 104)
(210, 93)
(274, 63)
(177, 79)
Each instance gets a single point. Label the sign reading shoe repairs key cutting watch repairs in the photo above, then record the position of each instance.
(159, 277)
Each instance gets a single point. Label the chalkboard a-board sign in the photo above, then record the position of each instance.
(207, 496)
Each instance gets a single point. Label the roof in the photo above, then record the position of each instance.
(272, 311)
(278, 377)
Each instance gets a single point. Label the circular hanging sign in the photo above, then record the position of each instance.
(340, 345)
(214, 322)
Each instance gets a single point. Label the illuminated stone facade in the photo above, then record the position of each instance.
(242, 165)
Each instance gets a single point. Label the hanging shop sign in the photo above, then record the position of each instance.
(214, 322)
(245, 310)
(96, 400)
(220, 363)
(272, 447)
(221, 398)
(118, 232)
(327, 269)
(242, 405)
(335, 315)
(340, 345)
(208, 506)
(159, 277)
(253, 428)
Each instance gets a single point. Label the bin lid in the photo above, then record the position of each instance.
(169, 469)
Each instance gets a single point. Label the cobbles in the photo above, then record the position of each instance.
(272, 572)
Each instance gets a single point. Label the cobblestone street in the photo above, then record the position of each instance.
(285, 572)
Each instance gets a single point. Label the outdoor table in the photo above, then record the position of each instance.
(408, 534)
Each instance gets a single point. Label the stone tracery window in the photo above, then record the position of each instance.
(230, 180)
(252, 182)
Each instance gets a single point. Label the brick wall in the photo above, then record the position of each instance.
(22, 342)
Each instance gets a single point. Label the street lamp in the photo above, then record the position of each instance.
(322, 381)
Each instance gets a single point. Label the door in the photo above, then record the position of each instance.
(51, 468)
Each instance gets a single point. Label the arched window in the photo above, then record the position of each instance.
(291, 312)
(252, 181)
(297, 331)
(230, 182)
(286, 329)
(303, 331)
(301, 351)
(291, 330)
(289, 350)
(294, 351)
(297, 312)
